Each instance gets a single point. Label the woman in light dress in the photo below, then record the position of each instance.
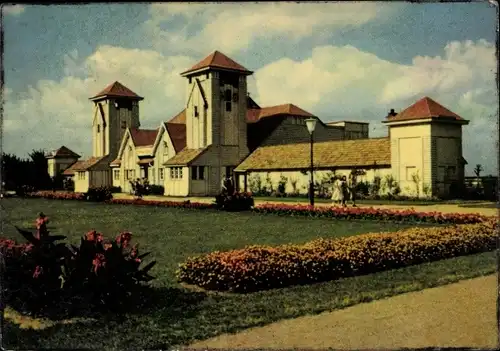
(336, 190)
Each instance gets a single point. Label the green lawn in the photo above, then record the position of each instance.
(181, 316)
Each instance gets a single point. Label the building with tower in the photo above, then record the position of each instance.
(222, 131)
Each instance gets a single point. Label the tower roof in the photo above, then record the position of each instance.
(117, 89)
(217, 60)
(424, 108)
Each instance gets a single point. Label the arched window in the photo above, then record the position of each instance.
(227, 95)
(98, 128)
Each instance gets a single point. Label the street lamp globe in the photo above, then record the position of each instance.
(311, 124)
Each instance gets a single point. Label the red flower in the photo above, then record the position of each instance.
(91, 236)
(38, 272)
(98, 262)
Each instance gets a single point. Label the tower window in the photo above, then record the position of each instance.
(227, 95)
(196, 111)
(228, 106)
(124, 124)
(98, 128)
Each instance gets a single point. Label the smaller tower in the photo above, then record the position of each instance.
(426, 148)
(116, 108)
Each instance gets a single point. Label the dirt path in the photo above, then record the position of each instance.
(456, 315)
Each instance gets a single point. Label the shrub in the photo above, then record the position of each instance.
(43, 277)
(351, 213)
(262, 267)
(157, 189)
(116, 189)
(140, 187)
(235, 202)
(281, 191)
(24, 190)
(99, 194)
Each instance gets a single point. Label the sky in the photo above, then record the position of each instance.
(339, 61)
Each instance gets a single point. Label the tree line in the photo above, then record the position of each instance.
(28, 174)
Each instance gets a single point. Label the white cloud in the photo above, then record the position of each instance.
(334, 83)
(14, 10)
(233, 27)
(346, 83)
(55, 113)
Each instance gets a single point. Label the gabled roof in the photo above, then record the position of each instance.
(254, 115)
(88, 164)
(185, 157)
(217, 60)
(63, 152)
(329, 154)
(117, 89)
(424, 108)
(177, 133)
(143, 137)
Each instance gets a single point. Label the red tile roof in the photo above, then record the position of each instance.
(177, 134)
(143, 137)
(423, 109)
(218, 60)
(63, 152)
(117, 89)
(254, 115)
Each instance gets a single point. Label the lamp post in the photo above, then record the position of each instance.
(311, 125)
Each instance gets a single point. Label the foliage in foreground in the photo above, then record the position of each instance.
(44, 277)
(262, 267)
(235, 202)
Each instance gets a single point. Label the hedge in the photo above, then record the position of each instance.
(262, 267)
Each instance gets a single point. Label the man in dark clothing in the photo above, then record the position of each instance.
(352, 186)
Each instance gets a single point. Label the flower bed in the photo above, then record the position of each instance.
(174, 204)
(407, 215)
(57, 195)
(262, 267)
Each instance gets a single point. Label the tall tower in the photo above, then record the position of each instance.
(116, 108)
(216, 107)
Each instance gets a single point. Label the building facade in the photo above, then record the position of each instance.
(222, 131)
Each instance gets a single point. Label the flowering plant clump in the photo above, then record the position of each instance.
(44, 275)
(406, 215)
(238, 201)
(262, 267)
(99, 194)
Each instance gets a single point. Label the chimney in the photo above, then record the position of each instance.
(392, 113)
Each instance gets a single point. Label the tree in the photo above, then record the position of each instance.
(477, 170)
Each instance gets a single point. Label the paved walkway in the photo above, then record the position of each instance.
(456, 315)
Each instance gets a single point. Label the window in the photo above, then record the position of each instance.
(117, 174)
(190, 80)
(176, 172)
(198, 172)
(161, 174)
(227, 95)
(98, 128)
(410, 171)
(196, 111)
(208, 75)
(130, 174)
(124, 124)
(81, 175)
(130, 148)
(228, 106)
(451, 172)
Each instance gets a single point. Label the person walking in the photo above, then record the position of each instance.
(336, 192)
(344, 191)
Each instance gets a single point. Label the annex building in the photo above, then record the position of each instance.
(221, 130)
